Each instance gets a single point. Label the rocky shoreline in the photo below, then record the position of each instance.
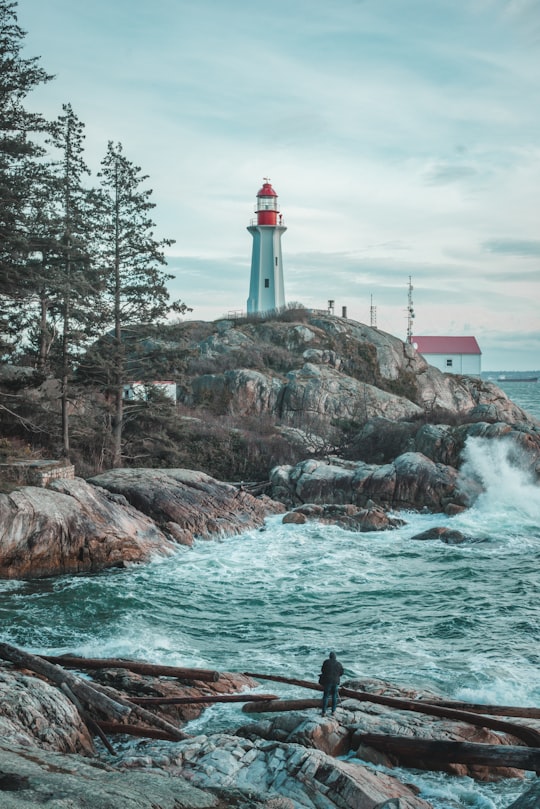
(290, 760)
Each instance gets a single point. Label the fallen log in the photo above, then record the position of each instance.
(147, 717)
(528, 735)
(429, 754)
(92, 726)
(204, 698)
(83, 690)
(272, 706)
(136, 730)
(492, 710)
(137, 666)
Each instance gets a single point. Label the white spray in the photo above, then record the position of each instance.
(503, 471)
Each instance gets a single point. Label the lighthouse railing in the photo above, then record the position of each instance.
(280, 223)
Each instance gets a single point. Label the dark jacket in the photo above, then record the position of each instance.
(331, 671)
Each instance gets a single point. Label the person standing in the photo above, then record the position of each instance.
(331, 672)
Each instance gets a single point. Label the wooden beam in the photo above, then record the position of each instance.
(429, 753)
(528, 735)
(137, 666)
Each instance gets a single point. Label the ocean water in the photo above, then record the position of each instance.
(464, 620)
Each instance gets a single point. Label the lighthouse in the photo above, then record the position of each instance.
(266, 290)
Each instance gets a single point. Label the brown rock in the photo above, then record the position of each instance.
(72, 527)
(295, 517)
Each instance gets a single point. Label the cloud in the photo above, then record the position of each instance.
(513, 247)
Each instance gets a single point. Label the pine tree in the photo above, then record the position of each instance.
(18, 152)
(131, 260)
(68, 289)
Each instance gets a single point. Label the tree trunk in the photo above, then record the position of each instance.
(206, 698)
(492, 710)
(278, 705)
(430, 754)
(138, 666)
(136, 730)
(147, 717)
(83, 690)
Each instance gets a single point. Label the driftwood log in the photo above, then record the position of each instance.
(105, 701)
(492, 710)
(137, 666)
(144, 716)
(136, 730)
(92, 726)
(528, 735)
(82, 689)
(205, 698)
(277, 705)
(423, 753)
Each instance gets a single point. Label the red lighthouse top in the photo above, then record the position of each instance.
(267, 207)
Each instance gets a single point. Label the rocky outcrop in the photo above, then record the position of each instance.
(34, 777)
(193, 501)
(121, 517)
(311, 374)
(34, 713)
(348, 517)
(72, 527)
(381, 440)
(411, 481)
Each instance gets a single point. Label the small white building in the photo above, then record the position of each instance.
(451, 355)
(138, 391)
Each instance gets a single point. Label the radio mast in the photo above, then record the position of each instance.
(410, 313)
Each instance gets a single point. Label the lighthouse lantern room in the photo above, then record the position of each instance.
(266, 288)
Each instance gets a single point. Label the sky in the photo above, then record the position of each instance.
(402, 137)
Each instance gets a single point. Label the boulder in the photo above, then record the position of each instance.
(319, 393)
(349, 517)
(36, 714)
(201, 506)
(411, 481)
(448, 535)
(72, 527)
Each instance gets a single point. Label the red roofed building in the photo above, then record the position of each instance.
(452, 355)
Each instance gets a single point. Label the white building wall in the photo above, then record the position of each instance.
(466, 364)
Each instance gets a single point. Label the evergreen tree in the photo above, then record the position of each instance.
(18, 153)
(67, 290)
(131, 259)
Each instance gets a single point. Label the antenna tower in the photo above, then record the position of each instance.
(372, 315)
(410, 313)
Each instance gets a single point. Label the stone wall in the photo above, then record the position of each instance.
(35, 473)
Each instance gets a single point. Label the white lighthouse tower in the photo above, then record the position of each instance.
(266, 291)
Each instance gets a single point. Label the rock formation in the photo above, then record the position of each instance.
(125, 516)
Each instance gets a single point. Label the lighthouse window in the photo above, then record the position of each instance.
(266, 283)
(276, 261)
(449, 363)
